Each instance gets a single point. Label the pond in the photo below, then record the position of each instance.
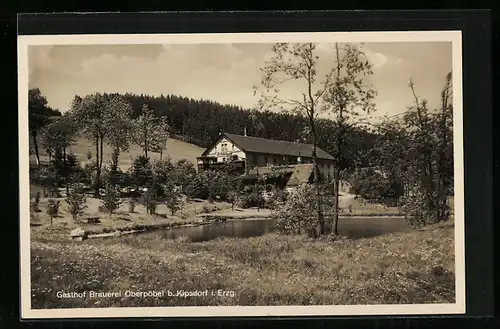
(352, 227)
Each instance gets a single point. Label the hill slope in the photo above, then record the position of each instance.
(176, 150)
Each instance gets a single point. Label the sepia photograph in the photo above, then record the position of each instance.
(241, 174)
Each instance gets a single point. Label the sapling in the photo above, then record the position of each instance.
(131, 206)
(76, 204)
(111, 200)
(52, 209)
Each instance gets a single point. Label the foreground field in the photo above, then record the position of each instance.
(416, 267)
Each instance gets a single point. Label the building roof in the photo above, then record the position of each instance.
(301, 174)
(271, 146)
(264, 170)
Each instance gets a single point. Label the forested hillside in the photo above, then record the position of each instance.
(200, 121)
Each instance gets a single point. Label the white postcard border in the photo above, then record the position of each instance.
(224, 311)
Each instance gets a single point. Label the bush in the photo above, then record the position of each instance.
(35, 203)
(209, 185)
(131, 206)
(184, 173)
(252, 197)
(87, 175)
(65, 167)
(153, 204)
(141, 171)
(111, 200)
(76, 203)
(276, 197)
(234, 197)
(163, 170)
(296, 214)
(150, 201)
(52, 209)
(175, 204)
(374, 185)
(45, 177)
(421, 210)
(118, 178)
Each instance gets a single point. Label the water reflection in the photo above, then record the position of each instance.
(354, 228)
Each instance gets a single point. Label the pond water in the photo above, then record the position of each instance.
(353, 227)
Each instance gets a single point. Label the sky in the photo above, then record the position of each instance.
(225, 73)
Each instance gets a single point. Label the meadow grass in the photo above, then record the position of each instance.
(414, 267)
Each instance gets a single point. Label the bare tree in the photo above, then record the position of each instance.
(347, 96)
(445, 142)
(297, 63)
(432, 151)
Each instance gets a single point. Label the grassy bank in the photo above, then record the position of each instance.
(415, 267)
(121, 220)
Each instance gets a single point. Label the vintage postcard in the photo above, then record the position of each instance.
(267, 174)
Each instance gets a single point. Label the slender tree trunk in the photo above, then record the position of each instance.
(145, 144)
(310, 65)
(66, 172)
(431, 189)
(335, 219)
(336, 175)
(442, 149)
(102, 152)
(97, 183)
(336, 168)
(319, 210)
(115, 156)
(35, 146)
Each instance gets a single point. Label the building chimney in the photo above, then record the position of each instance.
(245, 131)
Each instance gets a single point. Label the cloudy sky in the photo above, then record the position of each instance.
(224, 73)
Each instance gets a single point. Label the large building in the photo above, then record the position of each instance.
(248, 154)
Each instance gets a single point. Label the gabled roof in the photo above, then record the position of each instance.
(271, 146)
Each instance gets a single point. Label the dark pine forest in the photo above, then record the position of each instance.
(200, 121)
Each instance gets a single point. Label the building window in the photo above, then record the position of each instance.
(223, 148)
